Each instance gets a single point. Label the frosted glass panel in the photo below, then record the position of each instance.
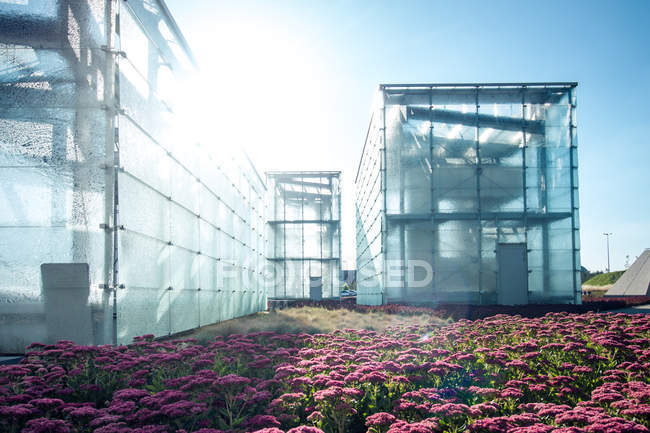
(185, 188)
(150, 270)
(209, 306)
(454, 189)
(134, 42)
(209, 240)
(143, 158)
(501, 189)
(184, 309)
(151, 220)
(184, 228)
(185, 268)
(34, 197)
(52, 199)
(142, 310)
(143, 306)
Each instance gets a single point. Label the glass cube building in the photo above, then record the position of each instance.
(305, 234)
(112, 222)
(468, 193)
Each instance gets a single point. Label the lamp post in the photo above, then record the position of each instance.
(608, 235)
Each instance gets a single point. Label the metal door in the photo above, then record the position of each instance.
(316, 288)
(66, 287)
(512, 276)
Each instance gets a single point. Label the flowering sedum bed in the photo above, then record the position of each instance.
(561, 373)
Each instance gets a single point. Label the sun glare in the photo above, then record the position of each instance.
(259, 87)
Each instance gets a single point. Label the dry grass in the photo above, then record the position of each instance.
(596, 291)
(312, 320)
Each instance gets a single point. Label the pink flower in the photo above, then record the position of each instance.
(641, 411)
(535, 428)
(105, 419)
(214, 430)
(292, 396)
(492, 425)
(182, 408)
(84, 412)
(46, 403)
(485, 392)
(511, 393)
(426, 426)
(374, 377)
(130, 394)
(352, 392)
(315, 416)
(18, 411)
(46, 425)
(328, 394)
(262, 421)
(483, 409)
(449, 409)
(305, 429)
(232, 380)
(379, 419)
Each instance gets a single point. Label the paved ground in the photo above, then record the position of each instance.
(6, 360)
(639, 309)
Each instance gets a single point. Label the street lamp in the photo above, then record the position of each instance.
(608, 235)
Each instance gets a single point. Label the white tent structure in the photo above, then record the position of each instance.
(636, 280)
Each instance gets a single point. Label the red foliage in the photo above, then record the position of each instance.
(473, 312)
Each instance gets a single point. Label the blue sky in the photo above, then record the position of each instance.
(293, 82)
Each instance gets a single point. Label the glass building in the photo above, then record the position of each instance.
(305, 234)
(469, 193)
(112, 222)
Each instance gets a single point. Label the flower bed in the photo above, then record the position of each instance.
(472, 312)
(627, 301)
(561, 372)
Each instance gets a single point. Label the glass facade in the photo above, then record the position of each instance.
(305, 234)
(95, 169)
(451, 176)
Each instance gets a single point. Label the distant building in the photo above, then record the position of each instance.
(469, 193)
(305, 234)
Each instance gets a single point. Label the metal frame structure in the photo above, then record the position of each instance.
(499, 162)
(305, 232)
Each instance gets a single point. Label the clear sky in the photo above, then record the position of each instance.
(293, 81)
